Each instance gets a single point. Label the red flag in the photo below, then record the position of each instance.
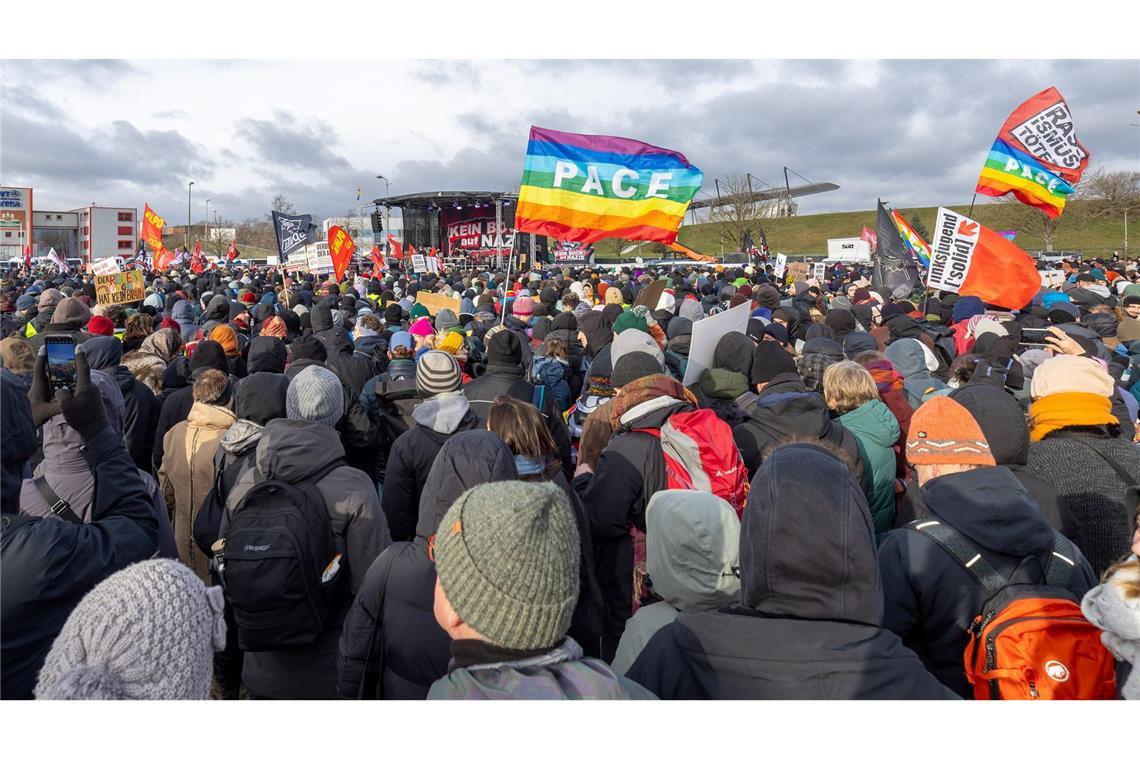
(871, 237)
(197, 247)
(28, 256)
(341, 248)
(1043, 127)
(377, 261)
(232, 253)
(972, 260)
(397, 249)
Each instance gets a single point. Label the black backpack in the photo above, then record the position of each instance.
(278, 565)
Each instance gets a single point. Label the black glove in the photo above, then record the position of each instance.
(83, 410)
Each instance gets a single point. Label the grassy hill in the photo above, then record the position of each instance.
(804, 235)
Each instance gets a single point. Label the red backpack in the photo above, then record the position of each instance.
(701, 455)
(1029, 640)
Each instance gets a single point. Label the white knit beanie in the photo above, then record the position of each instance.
(147, 632)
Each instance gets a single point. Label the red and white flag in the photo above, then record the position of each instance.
(972, 260)
(232, 253)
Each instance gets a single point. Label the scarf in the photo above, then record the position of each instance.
(647, 389)
(1063, 410)
(529, 465)
(884, 375)
(274, 327)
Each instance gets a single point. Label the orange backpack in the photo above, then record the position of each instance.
(1030, 640)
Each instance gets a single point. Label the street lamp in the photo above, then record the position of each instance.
(387, 230)
(207, 232)
(189, 190)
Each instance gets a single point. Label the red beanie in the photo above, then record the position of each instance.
(100, 325)
(167, 322)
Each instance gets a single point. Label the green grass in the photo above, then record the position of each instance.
(806, 235)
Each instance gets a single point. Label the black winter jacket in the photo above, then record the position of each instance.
(388, 400)
(49, 564)
(391, 646)
(931, 598)
(786, 409)
(808, 626)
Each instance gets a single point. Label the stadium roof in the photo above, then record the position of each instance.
(766, 195)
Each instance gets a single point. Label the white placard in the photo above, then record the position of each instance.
(419, 265)
(105, 266)
(781, 265)
(707, 332)
(819, 271)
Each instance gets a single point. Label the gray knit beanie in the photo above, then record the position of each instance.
(315, 394)
(690, 309)
(507, 558)
(147, 632)
(437, 372)
(636, 340)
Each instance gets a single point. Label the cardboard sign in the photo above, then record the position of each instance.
(105, 266)
(120, 287)
(650, 294)
(781, 265)
(797, 271)
(707, 333)
(435, 301)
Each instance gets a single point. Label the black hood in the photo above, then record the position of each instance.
(208, 354)
(902, 326)
(321, 316)
(177, 373)
(1001, 419)
(292, 450)
(788, 409)
(103, 351)
(598, 333)
(266, 355)
(991, 507)
(260, 397)
(19, 438)
(807, 544)
(217, 310)
(734, 352)
(467, 459)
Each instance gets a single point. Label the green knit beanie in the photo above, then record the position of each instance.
(629, 320)
(418, 310)
(507, 558)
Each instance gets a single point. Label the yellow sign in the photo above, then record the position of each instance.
(120, 287)
(434, 302)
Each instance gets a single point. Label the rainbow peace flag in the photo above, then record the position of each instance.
(584, 188)
(913, 240)
(1009, 170)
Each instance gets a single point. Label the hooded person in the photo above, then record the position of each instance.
(782, 409)
(808, 625)
(912, 360)
(391, 647)
(692, 543)
(353, 370)
(727, 379)
(50, 564)
(305, 447)
(187, 470)
(1075, 445)
(389, 399)
(70, 318)
(63, 477)
(817, 355)
(1002, 420)
(225, 337)
(176, 406)
(140, 414)
(1114, 607)
(148, 632)
(183, 314)
(506, 589)
(443, 412)
(216, 312)
(892, 391)
(930, 597)
(149, 363)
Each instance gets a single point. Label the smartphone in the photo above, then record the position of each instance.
(1035, 335)
(61, 362)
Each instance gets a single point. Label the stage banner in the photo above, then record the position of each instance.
(471, 232)
(120, 287)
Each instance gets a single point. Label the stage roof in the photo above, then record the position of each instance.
(445, 198)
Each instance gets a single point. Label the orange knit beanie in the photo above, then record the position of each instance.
(942, 431)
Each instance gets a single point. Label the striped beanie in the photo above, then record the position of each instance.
(437, 372)
(942, 431)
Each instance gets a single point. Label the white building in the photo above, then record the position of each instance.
(360, 228)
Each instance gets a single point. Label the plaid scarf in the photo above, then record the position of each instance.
(884, 375)
(647, 389)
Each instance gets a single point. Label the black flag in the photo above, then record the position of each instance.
(293, 231)
(894, 267)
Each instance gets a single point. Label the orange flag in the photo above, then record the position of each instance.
(397, 249)
(972, 260)
(151, 233)
(341, 248)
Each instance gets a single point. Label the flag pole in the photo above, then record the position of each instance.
(972, 200)
(510, 266)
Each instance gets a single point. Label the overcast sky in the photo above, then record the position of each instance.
(133, 132)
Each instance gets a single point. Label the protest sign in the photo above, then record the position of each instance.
(707, 333)
(819, 271)
(419, 265)
(435, 301)
(651, 294)
(1053, 278)
(797, 271)
(781, 264)
(105, 266)
(120, 287)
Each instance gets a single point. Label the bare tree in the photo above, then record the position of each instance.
(1111, 194)
(281, 205)
(738, 213)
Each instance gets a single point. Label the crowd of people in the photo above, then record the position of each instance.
(270, 485)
